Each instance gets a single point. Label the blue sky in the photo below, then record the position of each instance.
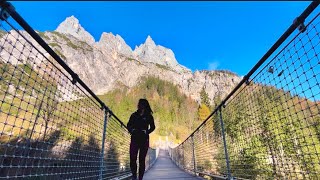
(203, 35)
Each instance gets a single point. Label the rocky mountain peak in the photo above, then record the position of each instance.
(150, 52)
(114, 43)
(72, 26)
(150, 42)
(110, 63)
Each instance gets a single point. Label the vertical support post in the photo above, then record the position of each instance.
(225, 145)
(103, 140)
(178, 157)
(149, 154)
(36, 120)
(174, 154)
(181, 162)
(194, 156)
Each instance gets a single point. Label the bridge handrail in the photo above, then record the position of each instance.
(245, 79)
(287, 85)
(70, 133)
(16, 16)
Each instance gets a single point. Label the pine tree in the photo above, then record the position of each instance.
(205, 98)
(203, 112)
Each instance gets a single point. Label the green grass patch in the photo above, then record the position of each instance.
(134, 60)
(72, 45)
(164, 67)
(86, 46)
(42, 34)
(60, 54)
(54, 45)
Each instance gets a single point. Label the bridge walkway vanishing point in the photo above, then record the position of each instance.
(164, 168)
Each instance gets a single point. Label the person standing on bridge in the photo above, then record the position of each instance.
(140, 125)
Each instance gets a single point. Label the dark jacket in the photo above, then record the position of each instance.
(138, 126)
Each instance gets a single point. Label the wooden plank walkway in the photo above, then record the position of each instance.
(164, 168)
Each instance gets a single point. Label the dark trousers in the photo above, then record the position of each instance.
(142, 147)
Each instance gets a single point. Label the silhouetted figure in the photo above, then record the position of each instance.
(140, 125)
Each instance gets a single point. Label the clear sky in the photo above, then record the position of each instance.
(203, 35)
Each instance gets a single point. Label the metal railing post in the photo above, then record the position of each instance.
(103, 141)
(178, 158)
(176, 154)
(194, 156)
(182, 163)
(225, 145)
(172, 156)
(149, 154)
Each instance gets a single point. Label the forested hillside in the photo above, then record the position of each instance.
(273, 131)
(175, 114)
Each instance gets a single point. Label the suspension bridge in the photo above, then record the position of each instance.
(52, 126)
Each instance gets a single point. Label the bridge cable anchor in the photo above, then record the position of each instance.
(75, 78)
(301, 27)
(223, 104)
(4, 15)
(247, 82)
(271, 69)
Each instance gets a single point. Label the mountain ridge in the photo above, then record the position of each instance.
(110, 63)
(150, 59)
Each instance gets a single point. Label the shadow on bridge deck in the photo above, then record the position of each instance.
(164, 168)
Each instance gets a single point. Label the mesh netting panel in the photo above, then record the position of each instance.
(116, 158)
(183, 155)
(272, 124)
(209, 152)
(50, 127)
(209, 155)
(47, 123)
(151, 157)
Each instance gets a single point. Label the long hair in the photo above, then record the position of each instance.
(145, 105)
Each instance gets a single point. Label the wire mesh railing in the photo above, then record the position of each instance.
(269, 126)
(151, 157)
(52, 125)
(203, 152)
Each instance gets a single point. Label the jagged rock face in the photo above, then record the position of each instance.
(110, 63)
(215, 83)
(114, 44)
(71, 26)
(150, 52)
